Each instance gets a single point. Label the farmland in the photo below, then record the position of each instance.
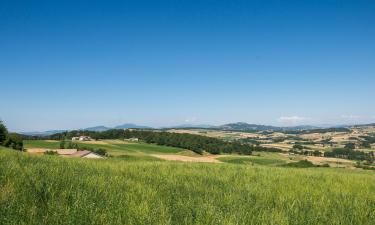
(320, 139)
(54, 190)
(114, 147)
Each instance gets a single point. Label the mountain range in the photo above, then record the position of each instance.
(239, 126)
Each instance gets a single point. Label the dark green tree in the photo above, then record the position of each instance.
(3, 133)
(350, 146)
(14, 141)
(298, 147)
(62, 144)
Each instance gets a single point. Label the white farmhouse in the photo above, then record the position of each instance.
(82, 138)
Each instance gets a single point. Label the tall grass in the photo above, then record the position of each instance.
(54, 190)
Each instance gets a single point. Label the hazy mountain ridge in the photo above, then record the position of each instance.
(42, 133)
(131, 125)
(239, 126)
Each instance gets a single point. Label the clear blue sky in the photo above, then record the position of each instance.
(73, 64)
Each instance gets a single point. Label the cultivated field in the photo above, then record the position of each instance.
(118, 149)
(285, 141)
(114, 147)
(40, 189)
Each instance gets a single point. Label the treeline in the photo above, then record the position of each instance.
(196, 143)
(322, 130)
(347, 153)
(10, 140)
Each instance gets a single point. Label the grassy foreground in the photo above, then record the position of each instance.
(55, 190)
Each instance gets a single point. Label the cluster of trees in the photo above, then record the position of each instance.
(71, 145)
(298, 147)
(196, 143)
(10, 140)
(368, 140)
(257, 148)
(306, 152)
(304, 164)
(251, 141)
(348, 153)
(68, 145)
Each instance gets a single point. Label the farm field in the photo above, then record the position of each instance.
(114, 147)
(319, 140)
(53, 190)
(123, 150)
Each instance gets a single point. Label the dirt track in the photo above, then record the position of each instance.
(201, 159)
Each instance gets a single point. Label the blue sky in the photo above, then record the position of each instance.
(74, 64)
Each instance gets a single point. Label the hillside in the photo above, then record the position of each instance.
(53, 190)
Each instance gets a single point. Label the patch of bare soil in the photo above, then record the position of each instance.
(182, 158)
(315, 159)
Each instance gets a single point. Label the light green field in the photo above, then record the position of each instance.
(54, 190)
(258, 158)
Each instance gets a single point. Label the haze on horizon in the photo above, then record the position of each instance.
(76, 64)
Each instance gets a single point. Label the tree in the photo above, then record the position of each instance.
(350, 146)
(62, 144)
(298, 147)
(3, 133)
(317, 153)
(366, 144)
(14, 141)
(100, 151)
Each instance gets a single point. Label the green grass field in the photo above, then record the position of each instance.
(54, 190)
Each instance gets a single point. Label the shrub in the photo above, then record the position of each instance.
(301, 164)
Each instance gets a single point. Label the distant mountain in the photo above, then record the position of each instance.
(241, 126)
(364, 125)
(190, 126)
(131, 125)
(42, 133)
(97, 128)
(301, 127)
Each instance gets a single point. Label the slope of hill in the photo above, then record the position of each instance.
(54, 190)
(97, 128)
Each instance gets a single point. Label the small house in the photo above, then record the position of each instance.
(82, 138)
(132, 139)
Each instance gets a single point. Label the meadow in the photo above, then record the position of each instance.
(54, 190)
